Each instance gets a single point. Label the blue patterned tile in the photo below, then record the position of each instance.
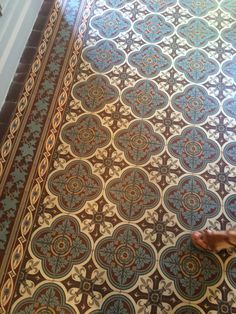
(192, 202)
(229, 68)
(139, 142)
(195, 104)
(75, 185)
(230, 207)
(191, 271)
(229, 6)
(125, 256)
(153, 28)
(229, 106)
(95, 93)
(86, 135)
(144, 98)
(117, 3)
(48, 296)
(229, 35)
(110, 24)
(229, 153)
(193, 149)
(133, 194)
(158, 5)
(138, 148)
(196, 65)
(116, 304)
(199, 8)
(103, 56)
(149, 61)
(197, 32)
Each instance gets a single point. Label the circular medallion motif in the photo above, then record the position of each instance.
(149, 61)
(74, 185)
(95, 92)
(195, 104)
(98, 218)
(139, 141)
(164, 170)
(125, 255)
(193, 148)
(192, 272)
(159, 228)
(190, 266)
(144, 98)
(153, 28)
(225, 308)
(192, 201)
(222, 178)
(155, 297)
(45, 310)
(196, 66)
(104, 56)
(108, 162)
(221, 128)
(167, 122)
(61, 245)
(86, 286)
(133, 193)
(86, 135)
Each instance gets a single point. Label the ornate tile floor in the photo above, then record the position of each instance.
(123, 142)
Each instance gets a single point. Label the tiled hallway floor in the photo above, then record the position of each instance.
(123, 143)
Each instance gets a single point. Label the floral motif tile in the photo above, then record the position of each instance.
(128, 145)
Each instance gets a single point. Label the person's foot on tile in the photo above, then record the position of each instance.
(214, 241)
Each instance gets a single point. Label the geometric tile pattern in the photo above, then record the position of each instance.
(124, 146)
(125, 256)
(153, 28)
(110, 24)
(61, 246)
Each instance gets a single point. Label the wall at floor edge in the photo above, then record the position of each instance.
(16, 24)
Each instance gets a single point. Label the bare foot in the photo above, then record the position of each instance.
(214, 241)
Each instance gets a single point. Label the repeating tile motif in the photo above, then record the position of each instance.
(191, 271)
(149, 61)
(195, 104)
(103, 56)
(116, 304)
(61, 246)
(133, 194)
(192, 202)
(49, 298)
(95, 93)
(153, 28)
(199, 8)
(196, 65)
(158, 5)
(75, 185)
(125, 256)
(193, 149)
(85, 135)
(145, 154)
(139, 142)
(110, 24)
(197, 32)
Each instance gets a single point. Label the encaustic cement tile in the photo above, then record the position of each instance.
(145, 155)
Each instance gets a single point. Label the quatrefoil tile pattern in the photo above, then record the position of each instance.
(138, 152)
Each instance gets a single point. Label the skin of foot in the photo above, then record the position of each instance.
(213, 240)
